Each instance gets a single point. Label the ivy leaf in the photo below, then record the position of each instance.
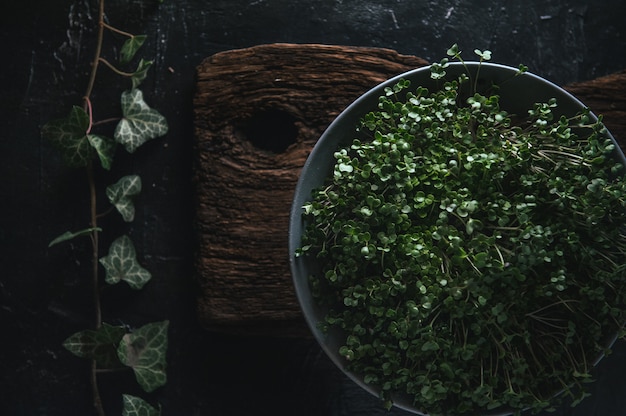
(135, 406)
(120, 195)
(121, 264)
(100, 344)
(130, 48)
(141, 73)
(144, 350)
(69, 135)
(140, 123)
(104, 147)
(68, 235)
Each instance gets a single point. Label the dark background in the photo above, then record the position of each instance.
(46, 49)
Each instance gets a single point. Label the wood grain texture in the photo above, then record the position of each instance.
(606, 96)
(244, 193)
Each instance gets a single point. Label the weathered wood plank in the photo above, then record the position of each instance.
(244, 191)
(606, 96)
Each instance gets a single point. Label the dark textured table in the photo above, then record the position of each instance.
(47, 47)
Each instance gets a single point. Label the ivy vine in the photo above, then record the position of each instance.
(77, 136)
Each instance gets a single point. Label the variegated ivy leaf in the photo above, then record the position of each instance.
(145, 350)
(105, 149)
(100, 345)
(69, 135)
(136, 406)
(140, 123)
(121, 264)
(141, 73)
(120, 195)
(130, 48)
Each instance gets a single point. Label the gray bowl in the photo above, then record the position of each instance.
(518, 94)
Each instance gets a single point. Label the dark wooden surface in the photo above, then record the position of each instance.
(606, 96)
(247, 171)
(47, 46)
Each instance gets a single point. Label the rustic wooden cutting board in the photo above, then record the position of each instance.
(258, 113)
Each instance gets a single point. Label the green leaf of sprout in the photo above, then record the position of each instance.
(484, 55)
(140, 73)
(121, 264)
(521, 69)
(144, 350)
(140, 123)
(453, 50)
(130, 48)
(120, 195)
(69, 135)
(135, 406)
(100, 345)
(68, 235)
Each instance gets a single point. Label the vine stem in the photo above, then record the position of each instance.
(90, 112)
(95, 246)
(114, 69)
(116, 30)
(97, 400)
(98, 52)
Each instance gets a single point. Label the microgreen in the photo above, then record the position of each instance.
(472, 263)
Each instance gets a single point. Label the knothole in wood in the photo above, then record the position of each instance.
(272, 130)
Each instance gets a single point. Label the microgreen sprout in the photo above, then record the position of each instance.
(472, 262)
